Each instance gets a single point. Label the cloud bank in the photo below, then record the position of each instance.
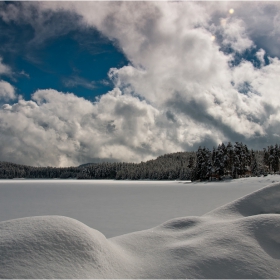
(189, 83)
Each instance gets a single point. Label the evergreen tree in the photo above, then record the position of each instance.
(254, 164)
(220, 161)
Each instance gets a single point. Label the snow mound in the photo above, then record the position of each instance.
(238, 240)
(56, 247)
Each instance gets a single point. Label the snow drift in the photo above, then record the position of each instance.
(238, 240)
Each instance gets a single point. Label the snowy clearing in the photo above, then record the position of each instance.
(119, 207)
(238, 240)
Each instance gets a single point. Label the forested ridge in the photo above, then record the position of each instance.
(225, 161)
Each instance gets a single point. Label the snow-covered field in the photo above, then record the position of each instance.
(238, 240)
(119, 207)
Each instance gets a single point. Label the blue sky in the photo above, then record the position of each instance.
(78, 60)
(129, 81)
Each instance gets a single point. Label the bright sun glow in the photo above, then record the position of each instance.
(231, 11)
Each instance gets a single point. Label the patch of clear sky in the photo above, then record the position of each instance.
(77, 61)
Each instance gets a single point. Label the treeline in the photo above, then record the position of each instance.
(224, 161)
(10, 170)
(167, 167)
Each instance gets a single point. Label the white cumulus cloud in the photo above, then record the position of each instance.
(179, 91)
(7, 91)
(4, 69)
(234, 33)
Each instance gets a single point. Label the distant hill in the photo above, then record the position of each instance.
(99, 160)
(87, 164)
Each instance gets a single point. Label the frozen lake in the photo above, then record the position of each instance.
(119, 207)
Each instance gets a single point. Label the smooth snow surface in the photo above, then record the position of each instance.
(119, 207)
(238, 240)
